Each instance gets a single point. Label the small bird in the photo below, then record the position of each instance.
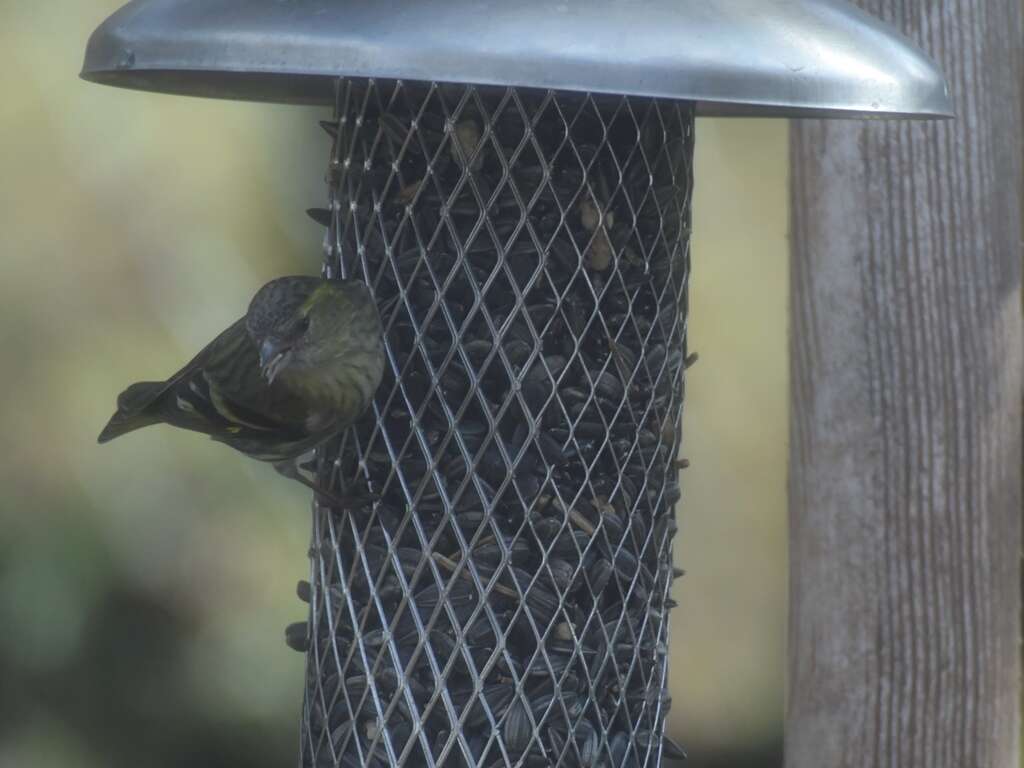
(297, 370)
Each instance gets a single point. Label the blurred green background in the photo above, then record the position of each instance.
(145, 585)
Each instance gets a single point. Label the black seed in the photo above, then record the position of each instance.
(330, 127)
(561, 573)
(495, 699)
(321, 216)
(598, 575)
(516, 729)
(672, 750)
(296, 636)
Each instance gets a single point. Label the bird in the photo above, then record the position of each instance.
(297, 369)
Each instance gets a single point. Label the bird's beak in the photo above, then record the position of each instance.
(273, 356)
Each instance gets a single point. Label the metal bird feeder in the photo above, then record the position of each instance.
(513, 182)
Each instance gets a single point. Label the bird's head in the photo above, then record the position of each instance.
(303, 324)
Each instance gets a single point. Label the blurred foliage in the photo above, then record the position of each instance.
(145, 585)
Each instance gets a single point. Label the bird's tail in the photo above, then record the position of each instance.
(133, 410)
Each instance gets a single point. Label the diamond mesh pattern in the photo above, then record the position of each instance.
(505, 603)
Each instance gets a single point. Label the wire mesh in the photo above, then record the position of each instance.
(505, 602)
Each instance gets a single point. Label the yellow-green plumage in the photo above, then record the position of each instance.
(323, 358)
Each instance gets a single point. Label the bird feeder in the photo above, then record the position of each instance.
(513, 181)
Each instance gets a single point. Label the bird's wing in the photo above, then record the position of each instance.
(222, 393)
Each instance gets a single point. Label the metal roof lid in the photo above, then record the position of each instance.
(796, 58)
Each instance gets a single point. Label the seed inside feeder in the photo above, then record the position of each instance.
(523, 440)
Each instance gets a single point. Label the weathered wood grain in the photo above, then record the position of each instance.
(905, 478)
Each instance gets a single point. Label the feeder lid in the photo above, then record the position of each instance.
(734, 57)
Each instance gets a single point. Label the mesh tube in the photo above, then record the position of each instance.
(505, 602)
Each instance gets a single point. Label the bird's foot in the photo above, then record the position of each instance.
(325, 497)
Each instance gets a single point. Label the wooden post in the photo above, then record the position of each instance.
(905, 479)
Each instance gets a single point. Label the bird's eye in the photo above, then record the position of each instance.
(303, 324)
